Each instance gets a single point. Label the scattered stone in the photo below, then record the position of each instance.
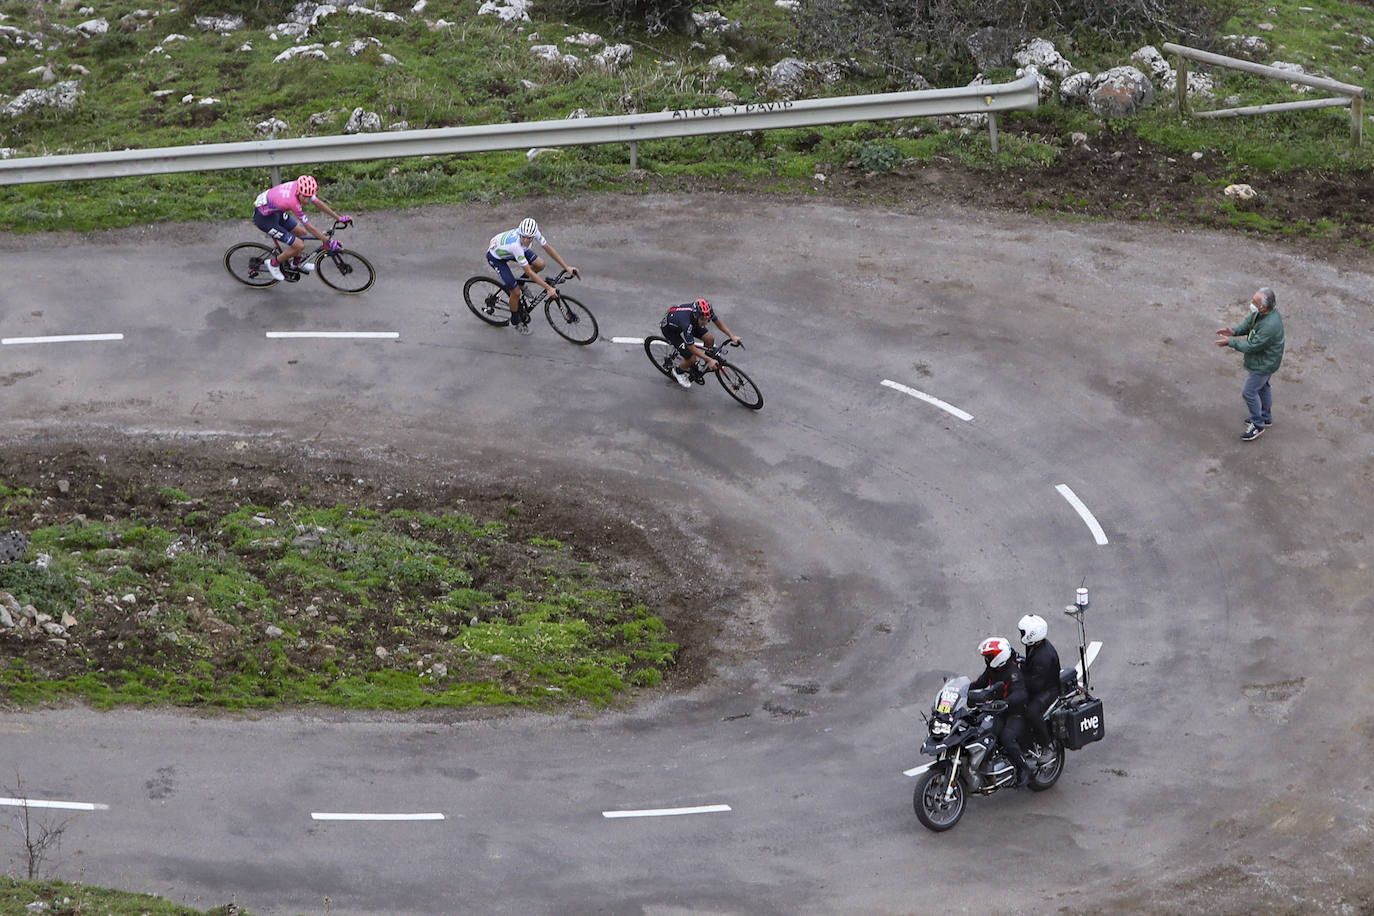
(614, 59)
(1120, 92)
(712, 22)
(271, 126)
(63, 96)
(1042, 54)
(219, 23)
(382, 652)
(274, 632)
(94, 27)
(315, 52)
(585, 40)
(1239, 192)
(506, 10)
(791, 75)
(361, 121)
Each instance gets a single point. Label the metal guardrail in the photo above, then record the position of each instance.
(1353, 95)
(1023, 94)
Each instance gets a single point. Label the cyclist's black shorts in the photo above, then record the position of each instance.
(673, 334)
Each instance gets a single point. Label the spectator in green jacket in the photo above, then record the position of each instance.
(1260, 338)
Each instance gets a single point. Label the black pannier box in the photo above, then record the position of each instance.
(1081, 725)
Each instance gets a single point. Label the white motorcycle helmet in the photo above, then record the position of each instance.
(996, 651)
(1033, 629)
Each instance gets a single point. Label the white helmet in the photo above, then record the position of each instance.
(528, 228)
(995, 651)
(1033, 629)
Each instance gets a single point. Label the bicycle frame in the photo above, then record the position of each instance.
(530, 304)
(321, 247)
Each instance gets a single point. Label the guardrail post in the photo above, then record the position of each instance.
(1356, 121)
(276, 169)
(992, 130)
(1181, 90)
(634, 156)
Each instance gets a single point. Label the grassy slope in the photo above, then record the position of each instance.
(472, 73)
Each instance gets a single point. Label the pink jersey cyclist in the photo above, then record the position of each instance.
(275, 212)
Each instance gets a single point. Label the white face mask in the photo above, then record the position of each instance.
(1253, 308)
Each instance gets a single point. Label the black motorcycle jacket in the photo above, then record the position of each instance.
(1041, 668)
(1012, 684)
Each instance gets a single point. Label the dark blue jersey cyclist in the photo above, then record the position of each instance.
(684, 326)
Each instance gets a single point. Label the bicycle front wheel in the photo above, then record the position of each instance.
(346, 271)
(662, 354)
(487, 300)
(739, 386)
(247, 263)
(571, 319)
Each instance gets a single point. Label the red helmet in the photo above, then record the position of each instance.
(306, 186)
(701, 309)
(996, 650)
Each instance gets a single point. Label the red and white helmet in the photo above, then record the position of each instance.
(701, 309)
(306, 186)
(996, 651)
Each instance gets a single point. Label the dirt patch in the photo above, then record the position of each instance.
(117, 480)
(1118, 175)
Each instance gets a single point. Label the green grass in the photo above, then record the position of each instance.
(471, 73)
(63, 897)
(259, 607)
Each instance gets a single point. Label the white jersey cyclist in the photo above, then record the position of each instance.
(512, 247)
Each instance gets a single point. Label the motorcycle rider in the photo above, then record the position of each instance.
(1003, 681)
(1041, 670)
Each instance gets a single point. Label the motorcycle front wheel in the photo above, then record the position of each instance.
(1051, 765)
(934, 810)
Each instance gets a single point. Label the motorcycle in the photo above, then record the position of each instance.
(961, 735)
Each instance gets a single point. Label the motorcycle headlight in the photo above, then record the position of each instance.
(939, 729)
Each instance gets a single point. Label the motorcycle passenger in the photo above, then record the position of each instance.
(1041, 669)
(1003, 681)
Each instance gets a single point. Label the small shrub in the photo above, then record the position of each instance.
(879, 157)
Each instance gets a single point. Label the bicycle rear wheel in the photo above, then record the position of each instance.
(739, 386)
(346, 271)
(571, 319)
(247, 263)
(662, 354)
(487, 300)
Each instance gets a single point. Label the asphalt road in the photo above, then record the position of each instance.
(875, 538)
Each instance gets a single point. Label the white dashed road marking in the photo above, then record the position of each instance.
(63, 338)
(65, 805)
(667, 812)
(929, 399)
(348, 816)
(634, 340)
(1098, 534)
(359, 335)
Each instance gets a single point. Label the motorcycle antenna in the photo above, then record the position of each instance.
(1075, 610)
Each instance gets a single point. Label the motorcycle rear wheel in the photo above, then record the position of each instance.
(1048, 773)
(932, 809)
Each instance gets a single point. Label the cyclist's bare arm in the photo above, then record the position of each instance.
(711, 364)
(530, 272)
(553, 253)
(726, 331)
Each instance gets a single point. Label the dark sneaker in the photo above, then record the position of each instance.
(1268, 423)
(1251, 433)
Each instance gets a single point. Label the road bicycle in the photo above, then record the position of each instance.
(344, 270)
(571, 319)
(666, 357)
